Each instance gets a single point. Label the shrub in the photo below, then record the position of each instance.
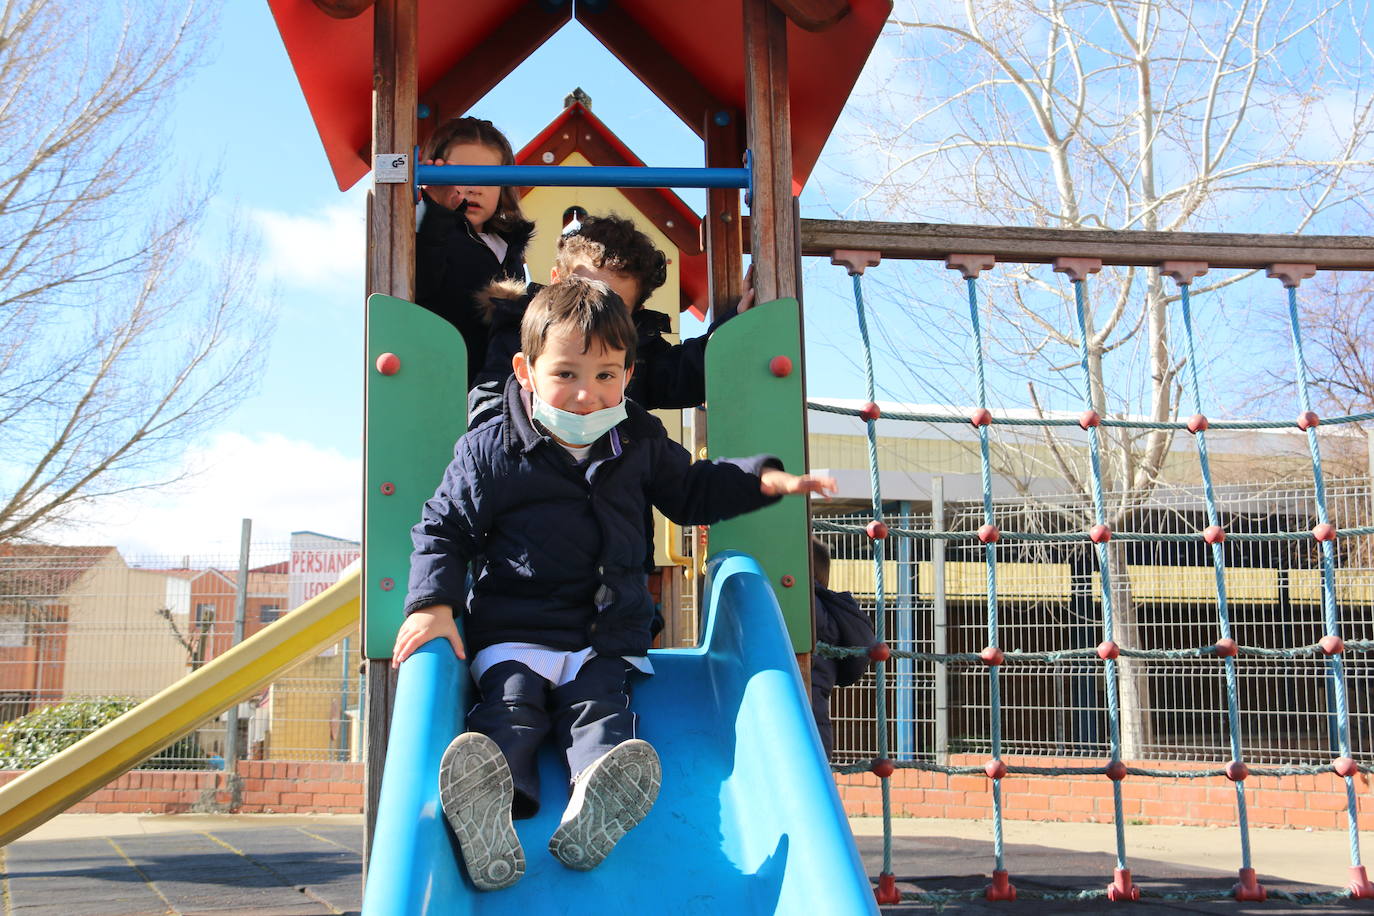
(29, 740)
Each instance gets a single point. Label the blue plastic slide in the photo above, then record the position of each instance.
(748, 819)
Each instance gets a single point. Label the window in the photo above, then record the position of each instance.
(13, 632)
(270, 612)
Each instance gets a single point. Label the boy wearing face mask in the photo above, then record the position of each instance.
(548, 502)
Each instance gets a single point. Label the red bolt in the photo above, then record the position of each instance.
(387, 584)
(879, 652)
(992, 655)
(1324, 532)
(995, 769)
(870, 411)
(788, 581)
(388, 364)
(876, 529)
(882, 767)
(781, 366)
(1227, 648)
(1116, 771)
(388, 488)
(1099, 534)
(1108, 650)
(1197, 423)
(1308, 420)
(1214, 534)
(1089, 419)
(1345, 766)
(1237, 771)
(1332, 645)
(887, 889)
(989, 534)
(980, 417)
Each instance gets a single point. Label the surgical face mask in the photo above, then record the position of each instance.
(576, 428)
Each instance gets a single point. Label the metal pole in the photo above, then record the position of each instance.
(231, 738)
(580, 176)
(940, 619)
(904, 620)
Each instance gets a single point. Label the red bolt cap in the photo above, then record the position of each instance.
(1107, 650)
(1308, 420)
(788, 581)
(876, 529)
(887, 889)
(1214, 534)
(870, 411)
(1332, 645)
(387, 584)
(781, 366)
(989, 534)
(1089, 419)
(1197, 423)
(1324, 532)
(1237, 771)
(388, 364)
(981, 417)
(388, 488)
(992, 655)
(1227, 648)
(879, 652)
(1116, 771)
(882, 767)
(1099, 534)
(1345, 766)
(995, 769)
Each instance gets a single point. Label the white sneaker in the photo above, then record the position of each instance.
(476, 791)
(609, 798)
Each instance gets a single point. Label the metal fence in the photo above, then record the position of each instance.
(1049, 600)
(86, 632)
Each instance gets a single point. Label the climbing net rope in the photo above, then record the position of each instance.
(993, 657)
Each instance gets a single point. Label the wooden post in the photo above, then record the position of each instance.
(721, 231)
(390, 270)
(774, 224)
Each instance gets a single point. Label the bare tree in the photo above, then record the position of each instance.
(1154, 115)
(119, 339)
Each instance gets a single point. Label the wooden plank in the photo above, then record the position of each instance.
(812, 15)
(769, 121)
(492, 60)
(642, 54)
(721, 227)
(391, 270)
(1019, 244)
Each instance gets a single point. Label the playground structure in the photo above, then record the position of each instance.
(757, 397)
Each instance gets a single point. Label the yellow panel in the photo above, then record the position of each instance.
(857, 576)
(1199, 583)
(1014, 580)
(1305, 585)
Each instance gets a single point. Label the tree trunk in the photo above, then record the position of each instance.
(1133, 687)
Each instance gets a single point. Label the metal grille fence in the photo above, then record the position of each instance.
(86, 632)
(1048, 596)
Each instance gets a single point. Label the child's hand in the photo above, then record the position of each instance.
(773, 482)
(420, 627)
(747, 301)
(443, 195)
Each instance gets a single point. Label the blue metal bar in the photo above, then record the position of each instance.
(579, 176)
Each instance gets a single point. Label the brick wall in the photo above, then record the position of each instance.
(265, 787)
(1287, 801)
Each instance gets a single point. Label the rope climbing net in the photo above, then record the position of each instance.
(994, 658)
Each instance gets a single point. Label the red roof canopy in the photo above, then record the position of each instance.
(690, 54)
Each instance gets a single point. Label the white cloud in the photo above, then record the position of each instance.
(282, 484)
(322, 250)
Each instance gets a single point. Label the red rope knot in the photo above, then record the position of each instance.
(1324, 532)
(1308, 420)
(1099, 534)
(992, 655)
(1107, 650)
(995, 769)
(879, 652)
(1115, 770)
(981, 417)
(876, 529)
(1197, 423)
(1090, 419)
(882, 767)
(1214, 534)
(870, 412)
(1345, 767)
(989, 534)
(1236, 771)
(1227, 648)
(1332, 645)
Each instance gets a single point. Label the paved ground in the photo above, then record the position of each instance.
(284, 865)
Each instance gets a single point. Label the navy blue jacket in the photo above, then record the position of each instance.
(666, 375)
(840, 622)
(557, 547)
(452, 265)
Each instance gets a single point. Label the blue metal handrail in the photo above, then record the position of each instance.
(580, 176)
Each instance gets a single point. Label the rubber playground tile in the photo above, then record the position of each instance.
(81, 877)
(304, 859)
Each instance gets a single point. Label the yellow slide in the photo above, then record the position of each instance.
(60, 781)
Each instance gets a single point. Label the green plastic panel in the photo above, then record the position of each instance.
(411, 420)
(751, 410)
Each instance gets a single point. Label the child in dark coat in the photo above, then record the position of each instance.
(839, 622)
(610, 249)
(548, 502)
(468, 236)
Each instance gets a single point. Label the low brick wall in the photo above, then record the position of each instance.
(264, 787)
(1287, 801)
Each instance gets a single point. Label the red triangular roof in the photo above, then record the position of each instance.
(576, 129)
(690, 54)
